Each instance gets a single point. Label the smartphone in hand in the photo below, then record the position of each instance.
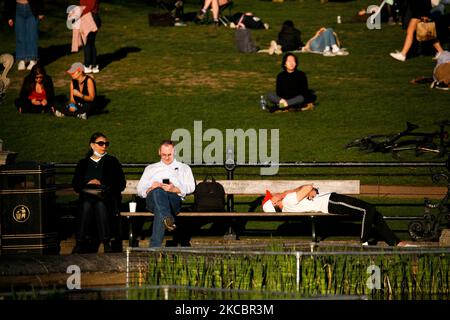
(166, 181)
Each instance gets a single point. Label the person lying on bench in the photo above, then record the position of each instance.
(306, 198)
(164, 185)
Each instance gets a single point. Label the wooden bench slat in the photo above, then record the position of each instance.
(236, 214)
(251, 187)
(256, 187)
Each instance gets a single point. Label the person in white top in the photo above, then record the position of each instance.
(164, 185)
(306, 198)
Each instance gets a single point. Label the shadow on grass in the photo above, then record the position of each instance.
(106, 59)
(53, 53)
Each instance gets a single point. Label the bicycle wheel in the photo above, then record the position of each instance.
(416, 230)
(424, 152)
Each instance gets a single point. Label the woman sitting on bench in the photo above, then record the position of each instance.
(306, 198)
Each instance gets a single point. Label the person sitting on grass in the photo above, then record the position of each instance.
(441, 72)
(292, 90)
(306, 198)
(37, 93)
(82, 94)
(289, 39)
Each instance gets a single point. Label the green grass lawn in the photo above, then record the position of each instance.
(163, 78)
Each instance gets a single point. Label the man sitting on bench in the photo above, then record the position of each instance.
(306, 198)
(164, 185)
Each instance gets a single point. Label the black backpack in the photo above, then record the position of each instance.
(209, 196)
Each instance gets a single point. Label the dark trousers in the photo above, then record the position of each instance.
(90, 51)
(342, 204)
(26, 106)
(296, 101)
(93, 211)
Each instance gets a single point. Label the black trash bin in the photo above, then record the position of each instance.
(27, 204)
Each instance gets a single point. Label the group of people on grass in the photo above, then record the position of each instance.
(99, 180)
(24, 16)
(37, 94)
(291, 92)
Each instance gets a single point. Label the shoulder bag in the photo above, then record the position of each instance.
(426, 31)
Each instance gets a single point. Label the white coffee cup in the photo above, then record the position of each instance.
(132, 206)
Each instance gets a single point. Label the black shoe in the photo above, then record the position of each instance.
(77, 250)
(80, 247)
(185, 243)
(171, 243)
(169, 224)
(107, 247)
(273, 108)
(117, 245)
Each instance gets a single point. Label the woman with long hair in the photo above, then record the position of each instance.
(24, 16)
(37, 94)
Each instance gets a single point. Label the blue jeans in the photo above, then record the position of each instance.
(325, 39)
(163, 204)
(27, 29)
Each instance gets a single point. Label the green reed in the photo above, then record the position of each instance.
(401, 276)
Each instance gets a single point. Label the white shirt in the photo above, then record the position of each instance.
(179, 174)
(318, 204)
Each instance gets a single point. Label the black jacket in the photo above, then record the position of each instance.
(290, 85)
(113, 177)
(289, 39)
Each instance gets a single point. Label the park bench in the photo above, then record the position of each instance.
(253, 188)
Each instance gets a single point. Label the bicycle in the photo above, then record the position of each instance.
(402, 144)
(431, 225)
